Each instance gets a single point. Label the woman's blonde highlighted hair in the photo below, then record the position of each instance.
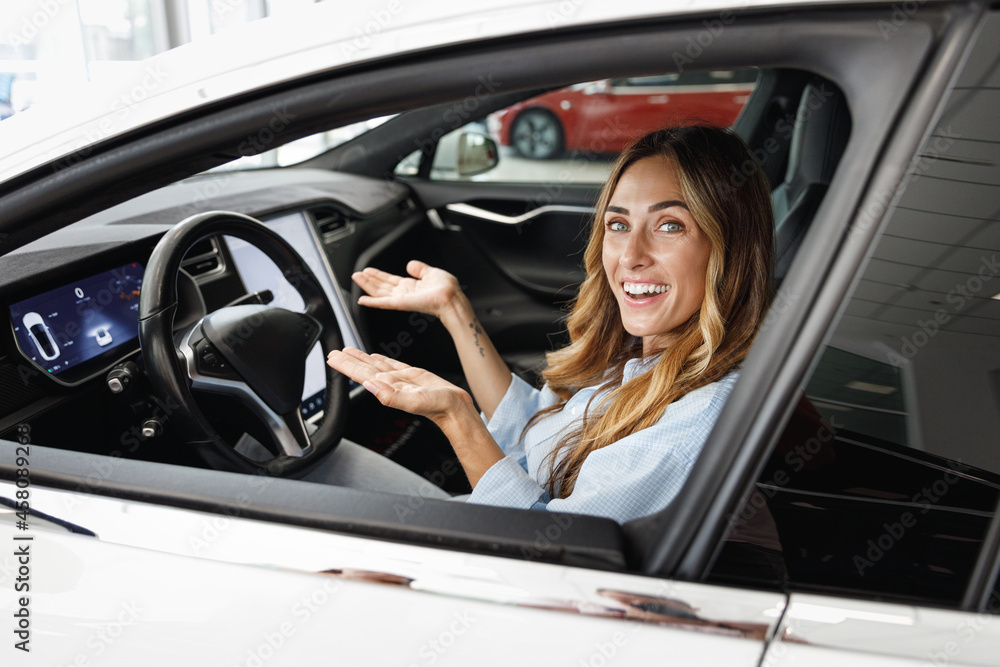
(730, 200)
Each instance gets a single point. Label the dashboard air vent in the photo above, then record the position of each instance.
(330, 221)
(202, 266)
(203, 259)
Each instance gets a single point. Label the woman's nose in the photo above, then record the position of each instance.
(635, 254)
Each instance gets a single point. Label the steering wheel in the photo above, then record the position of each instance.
(256, 353)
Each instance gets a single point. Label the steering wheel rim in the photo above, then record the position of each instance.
(175, 369)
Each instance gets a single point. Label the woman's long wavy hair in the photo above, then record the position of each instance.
(729, 198)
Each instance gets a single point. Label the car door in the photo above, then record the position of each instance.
(284, 594)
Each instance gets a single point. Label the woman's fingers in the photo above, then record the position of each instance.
(384, 364)
(384, 290)
(394, 391)
(361, 366)
(343, 363)
(380, 389)
(382, 302)
(416, 268)
(374, 284)
(377, 376)
(381, 276)
(394, 383)
(352, 363)
(400, 397)
(390, 363)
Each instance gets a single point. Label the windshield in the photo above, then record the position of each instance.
(302, 149)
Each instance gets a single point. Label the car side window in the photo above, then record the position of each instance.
(573, 134)
(887, 474)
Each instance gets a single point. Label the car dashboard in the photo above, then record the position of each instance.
(72, 298)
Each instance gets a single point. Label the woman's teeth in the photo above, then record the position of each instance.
(640, 289)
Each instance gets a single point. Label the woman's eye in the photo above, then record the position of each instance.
(617, 226)
(671, 226)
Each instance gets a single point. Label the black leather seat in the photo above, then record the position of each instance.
(822, 126)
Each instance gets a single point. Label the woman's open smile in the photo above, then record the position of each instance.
(640, 293)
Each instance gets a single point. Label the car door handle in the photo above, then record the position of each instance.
(490, 216)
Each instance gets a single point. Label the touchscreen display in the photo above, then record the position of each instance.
(260, 273)
(69, 325)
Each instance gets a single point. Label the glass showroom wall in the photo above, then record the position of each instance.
(48, 45)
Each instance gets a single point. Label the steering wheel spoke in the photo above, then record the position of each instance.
(216, 376)
(294, 436)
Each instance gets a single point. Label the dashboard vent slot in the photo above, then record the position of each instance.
(330, 221)
(203, 259)
(202, 266)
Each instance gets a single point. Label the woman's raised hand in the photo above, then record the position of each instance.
(436, 292)
(400, 386)
(430, 290)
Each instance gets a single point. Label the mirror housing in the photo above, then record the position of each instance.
(477, 154)
(602, 87)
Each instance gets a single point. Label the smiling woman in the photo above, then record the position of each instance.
(655, 255)
(679, 277)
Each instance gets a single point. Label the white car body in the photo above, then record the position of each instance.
(164, 585)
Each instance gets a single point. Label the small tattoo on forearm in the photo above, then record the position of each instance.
(476, 331)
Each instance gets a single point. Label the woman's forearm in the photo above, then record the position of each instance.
(485, 371)
(476, 449)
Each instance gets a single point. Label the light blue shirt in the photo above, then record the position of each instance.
(636, 476)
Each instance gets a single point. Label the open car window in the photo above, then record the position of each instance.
(572, 134)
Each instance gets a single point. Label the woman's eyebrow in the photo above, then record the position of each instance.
(659, 206)
(667, 204)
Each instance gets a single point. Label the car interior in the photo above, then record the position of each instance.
(91, 396)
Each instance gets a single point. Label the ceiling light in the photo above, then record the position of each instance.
(869, 387)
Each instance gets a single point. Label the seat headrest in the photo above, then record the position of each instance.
(822, 126)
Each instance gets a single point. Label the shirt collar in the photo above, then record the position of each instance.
(636, 367)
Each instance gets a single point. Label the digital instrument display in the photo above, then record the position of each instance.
(73, 324)
(260, 273)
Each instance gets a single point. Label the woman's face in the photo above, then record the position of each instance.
(655, 254)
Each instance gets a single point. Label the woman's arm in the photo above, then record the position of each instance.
(420, 392)
(436, 292)
(485, 371)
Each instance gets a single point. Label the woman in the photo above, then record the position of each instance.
(678, 282)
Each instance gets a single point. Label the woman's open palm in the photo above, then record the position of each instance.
(398, 385)
(430, 290)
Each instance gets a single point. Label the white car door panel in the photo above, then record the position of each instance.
(824, 631)
(205, 580)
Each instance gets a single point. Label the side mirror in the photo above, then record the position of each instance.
(602, 87)
(477, 154)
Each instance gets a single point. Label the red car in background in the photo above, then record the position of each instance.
(604, 116)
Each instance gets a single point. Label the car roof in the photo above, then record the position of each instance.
(327, 36)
